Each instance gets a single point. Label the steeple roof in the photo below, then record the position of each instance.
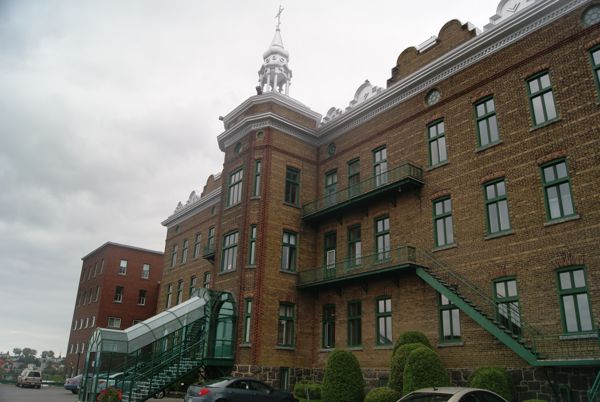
(276, 46)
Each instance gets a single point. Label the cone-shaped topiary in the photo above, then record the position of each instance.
(495, 379)
(411, 337)
(398, 362)
(382, 394)
(423, 369)
(343, 380)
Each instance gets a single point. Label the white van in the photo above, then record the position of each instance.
(30, 378)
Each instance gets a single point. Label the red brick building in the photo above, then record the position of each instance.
(118, 287)
(459, 201)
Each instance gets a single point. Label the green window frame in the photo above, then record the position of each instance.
(383, 316)
(450, 330)
(354, 246)
(252, 246)
(595, 59)
(558, 198)
(247, 320)
(443, 223)
(353, 177)
(354, 323)
(496, 207)
(197, 245)
(575, 307)
(487, 123)
(286, 324)
(380, 166)
(331, 179)
(206, 280)
(330, 249)
(541, 99)
(193, 283)
(289, 248)
(328, 327)
(436, 139)
(229, 252)
(169, 298)
(292, 186)
(210, 239)
(284, 378)
(174, 255)
(184, 251)
(234, 194)
(257, 175)
(179, 291)
(506, 298)
(382, 238)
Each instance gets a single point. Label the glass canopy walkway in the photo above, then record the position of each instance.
(143, 360)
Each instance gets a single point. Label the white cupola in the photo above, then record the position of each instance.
(274, 75)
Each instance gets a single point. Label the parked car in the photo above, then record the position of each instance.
(30, 378)
(233, 389)
(72, 384)
(452, 394)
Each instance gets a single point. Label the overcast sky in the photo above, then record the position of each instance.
(109, 116)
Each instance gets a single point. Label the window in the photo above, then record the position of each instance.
(442, 222)
(487, 125)
(97, 293)
(292, 186)
(114, 322)
(354, 323)
(179, 291)
(284, 378)
(197, 242)
(380, 166)
(169, 295)
(87, 322)
(123, 267)
(496, 206)
(354, 246)
(257, 173)
(574, 302)
(118, 294)
(252, 246)
(450, 320)
(507, 304)
(595, 57)
(541, 99)
(95, 269)
(329, 250)
(193, 282)
(210, 243)
(184, 251)
(93, 321)
(288, 252)
(229, 260)
(142, 297)
(206, 282)
(235, 187)
(384, 320)
(285, 328)
(174, 255)
(330, 187)
(353, 177)
(145, 271)
(247, 320)
(557, 190)
(382, 238)
(328, 326)
(102, 266)
(436, 135)
(74, 325)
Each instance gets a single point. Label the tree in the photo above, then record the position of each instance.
(423, 369)
(44, 354)
(50, 353)
(17, 352)
(343, 380)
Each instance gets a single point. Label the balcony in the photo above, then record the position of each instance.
(405, 176)
(357, 268)
(209, 252)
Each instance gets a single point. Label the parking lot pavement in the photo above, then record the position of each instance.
(10, 393)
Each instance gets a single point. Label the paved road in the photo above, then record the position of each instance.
(11, 393)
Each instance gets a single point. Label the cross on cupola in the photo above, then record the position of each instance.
(274, 75)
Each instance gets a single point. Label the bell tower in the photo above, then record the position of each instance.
(274, 75)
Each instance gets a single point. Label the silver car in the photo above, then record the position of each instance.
(452, 394)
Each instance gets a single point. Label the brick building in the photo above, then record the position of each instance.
(459, 201)
(118, 287)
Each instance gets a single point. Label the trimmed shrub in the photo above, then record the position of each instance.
(494, 379)
(343, 380)
(423, 369)
(411, 337)
(398, 362)
(382, 394)
(313, 388)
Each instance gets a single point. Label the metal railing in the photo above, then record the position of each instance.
(406, 170)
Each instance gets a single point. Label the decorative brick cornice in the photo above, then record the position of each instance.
(534, 70)
(480, 95)
(593, 43)
(560, 154)
(492, 176)
(440, 194)
(567, 259)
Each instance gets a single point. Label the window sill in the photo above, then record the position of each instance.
(227, 272)
(488, 146)
(545, 124)
(326, 350)
(499, 234)
(354, 348)
(232, 206)
(430, 168)
(562, 220)
(290, 348)
(450, 344)
(577, 336)
(446, 247)
(288, 272)
(384, 347)
(245, 345)
(291, 205)
(251, 266)
(255, 197)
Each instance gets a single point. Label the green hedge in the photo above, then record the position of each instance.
(495, 379)
(411, 337)
(423, 369)
(398, 362)
(304, 386)
(343, 380)
(382, 394)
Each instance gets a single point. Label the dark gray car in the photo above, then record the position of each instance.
(231, 389)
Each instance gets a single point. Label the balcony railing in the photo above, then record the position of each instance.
(358, 266)
(405, 174)
(209, 252)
